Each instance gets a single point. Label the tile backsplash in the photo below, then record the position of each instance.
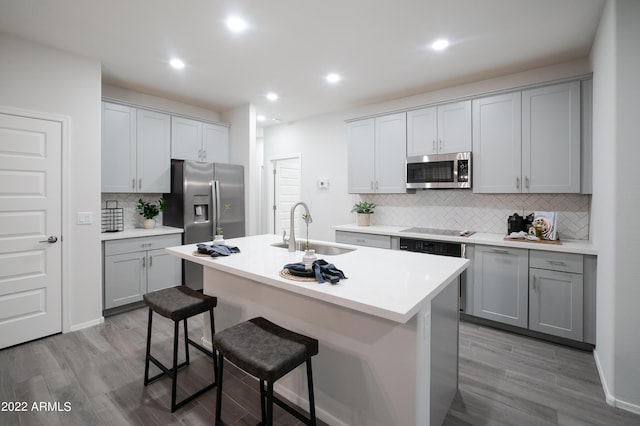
(462, 209)
(128, 202)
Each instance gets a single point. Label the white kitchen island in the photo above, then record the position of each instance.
(388, 335)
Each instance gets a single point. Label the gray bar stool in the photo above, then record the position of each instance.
(268, 352)
(178, 304)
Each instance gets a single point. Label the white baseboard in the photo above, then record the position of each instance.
(86, 324)
(610, 398)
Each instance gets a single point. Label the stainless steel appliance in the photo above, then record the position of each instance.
(204, 196)
(439, 171)
(441, 248)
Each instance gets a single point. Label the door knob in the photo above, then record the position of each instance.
(52, 239)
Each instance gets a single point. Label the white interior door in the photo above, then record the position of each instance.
(286, 192)
(30, 229)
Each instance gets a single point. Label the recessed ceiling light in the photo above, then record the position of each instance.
(236, 25)
(261, 117)
(272, 96)
(333, 78)
(176, 63)
(440, 44)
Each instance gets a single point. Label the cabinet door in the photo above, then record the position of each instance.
(556, 303)
(124, 279)
(153, 152)
(500, 285)
(215, 143)
(118, 148)
(186, 139)
(551, 139)
(454, 127)
(422, 132)
(163, 270)
(497, 144)
(391, 153)
(361, 137)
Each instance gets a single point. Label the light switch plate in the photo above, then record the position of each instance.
(84, 218)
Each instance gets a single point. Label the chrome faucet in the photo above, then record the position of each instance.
(292, 234)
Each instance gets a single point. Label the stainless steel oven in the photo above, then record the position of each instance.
(439, 171)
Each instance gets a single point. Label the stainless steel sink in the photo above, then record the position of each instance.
(322, 249)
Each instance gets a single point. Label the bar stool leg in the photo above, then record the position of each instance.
(213, 350)
(263, 397)
(146, 358)
(269, 403)
(312, 404)
(174, 375)
(186, 340)
(219, 390)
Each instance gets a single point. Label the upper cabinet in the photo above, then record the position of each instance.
(377, 154)
(136, 148)
(199, 141)
(528, 141)
(439, 129)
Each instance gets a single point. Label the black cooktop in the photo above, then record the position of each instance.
(435, 231)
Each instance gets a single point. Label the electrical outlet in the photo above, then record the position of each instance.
(84, 218)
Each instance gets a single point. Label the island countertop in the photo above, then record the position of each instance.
(389, 284)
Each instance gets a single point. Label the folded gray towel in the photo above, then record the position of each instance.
(216, 250)
(321, 269)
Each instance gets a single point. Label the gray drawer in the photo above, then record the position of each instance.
(552, 261)
(361, 239)
(129, 245)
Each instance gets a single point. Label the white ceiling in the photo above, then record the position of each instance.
(380, 47)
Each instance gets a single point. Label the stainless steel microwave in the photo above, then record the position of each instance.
(439, 171)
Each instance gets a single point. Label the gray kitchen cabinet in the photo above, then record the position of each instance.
(377, 154)
(529, 141)
(551, 139)
(439, 129)
(199, 141)
(556, 294)
(500, 284)
(363, 239)
(497, 147)
(135, 266)
(135, 150)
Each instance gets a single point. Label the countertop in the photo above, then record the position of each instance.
(140, 232)
(385, 283)
(566, 246)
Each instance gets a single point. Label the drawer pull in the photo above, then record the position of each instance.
(500, 251)
(556, 262)
(360, 240)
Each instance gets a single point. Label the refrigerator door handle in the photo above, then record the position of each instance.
(215, 197)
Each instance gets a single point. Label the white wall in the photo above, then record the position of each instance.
(616, 196)
(322, 142)
(37, 78)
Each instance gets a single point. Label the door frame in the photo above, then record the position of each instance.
(271, 183)
(65, 222)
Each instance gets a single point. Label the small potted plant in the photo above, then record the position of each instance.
(149, 211)
(364, 211)
(309, 253)
(219, 237)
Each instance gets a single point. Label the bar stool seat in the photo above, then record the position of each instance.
(178, 304)
(268, 352)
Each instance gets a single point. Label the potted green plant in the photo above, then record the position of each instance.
(149, 211)
(364, 211)
(219, 237)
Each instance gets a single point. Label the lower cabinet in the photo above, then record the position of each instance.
(500, 284)
(537, 290)
(556, 298)
(135, 266)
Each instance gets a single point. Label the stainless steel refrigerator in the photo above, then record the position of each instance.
(204, 196)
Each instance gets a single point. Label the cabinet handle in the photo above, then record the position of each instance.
(433, 146)
(376, 185)
(500, 251)
(133, 184)
(372, 185)
(556, 262)
(360, 240)
(441, 145)
(144, 263)
(526, 182)
(204, 155)
(535, 278)
(517, 182)
(150, 261)
(140, 184)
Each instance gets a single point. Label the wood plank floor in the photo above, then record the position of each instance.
(505, 379)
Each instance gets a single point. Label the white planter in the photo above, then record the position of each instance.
(363, 219)
(308, 258)
(218, 239)
(149, 223)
